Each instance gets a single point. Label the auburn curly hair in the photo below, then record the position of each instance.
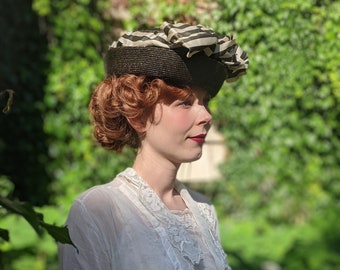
(119, 101)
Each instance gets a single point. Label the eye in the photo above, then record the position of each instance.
(186, 103)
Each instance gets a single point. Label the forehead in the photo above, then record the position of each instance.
(200, 92)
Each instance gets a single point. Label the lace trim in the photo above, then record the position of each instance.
(202, 215)
(180, 227)
(205, 212)
(177, 229)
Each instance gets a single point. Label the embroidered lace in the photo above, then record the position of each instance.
(183, 232)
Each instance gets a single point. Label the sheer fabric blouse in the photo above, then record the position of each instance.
(124, 225)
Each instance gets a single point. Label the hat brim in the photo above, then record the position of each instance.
(170, 65)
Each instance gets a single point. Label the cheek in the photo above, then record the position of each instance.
(181, 120)
(178, 120)
(173, 118)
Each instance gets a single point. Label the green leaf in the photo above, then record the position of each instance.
(36, 220)
(60, 234)
(25, 210)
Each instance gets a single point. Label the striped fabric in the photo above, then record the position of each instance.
(196, 38)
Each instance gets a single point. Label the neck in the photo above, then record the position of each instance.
(160, 175)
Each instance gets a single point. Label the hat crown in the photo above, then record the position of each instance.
(179, 53)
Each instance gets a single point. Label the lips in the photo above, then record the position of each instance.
(198, 138)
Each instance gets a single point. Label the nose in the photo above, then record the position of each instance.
(204, 117)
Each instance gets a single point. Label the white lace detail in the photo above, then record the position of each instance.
(206, 220)
(212, 221)
(178, 229)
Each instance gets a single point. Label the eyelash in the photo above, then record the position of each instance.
(186, 103)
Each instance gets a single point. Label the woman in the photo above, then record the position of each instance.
(154, 98)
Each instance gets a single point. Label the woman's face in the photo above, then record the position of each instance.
(178, 131)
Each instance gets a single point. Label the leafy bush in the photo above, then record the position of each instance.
(281, 125)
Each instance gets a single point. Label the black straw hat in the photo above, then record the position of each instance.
(180, 54)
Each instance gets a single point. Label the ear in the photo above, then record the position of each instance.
(141, 127)
(158, 113)
(137, 125)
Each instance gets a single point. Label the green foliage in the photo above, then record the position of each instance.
(281, 125)
(26, 250)
(35, 219)
(23, 242)
(256, 242)
(22, 141)
(23, 153)
(76, 37)
(152, 13)
(75, 56)
(283, 116)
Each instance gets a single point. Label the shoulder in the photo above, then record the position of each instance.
(98, 193)
(102, 189)
(98, 199)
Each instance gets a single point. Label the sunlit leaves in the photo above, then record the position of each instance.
(281, 121)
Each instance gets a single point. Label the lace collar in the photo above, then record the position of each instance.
(170, 225)
(177, 231)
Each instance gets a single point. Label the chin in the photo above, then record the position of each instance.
(193, 158)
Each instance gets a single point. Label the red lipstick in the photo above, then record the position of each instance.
(198, 138)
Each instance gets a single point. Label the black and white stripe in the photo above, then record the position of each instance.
(196, 38)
